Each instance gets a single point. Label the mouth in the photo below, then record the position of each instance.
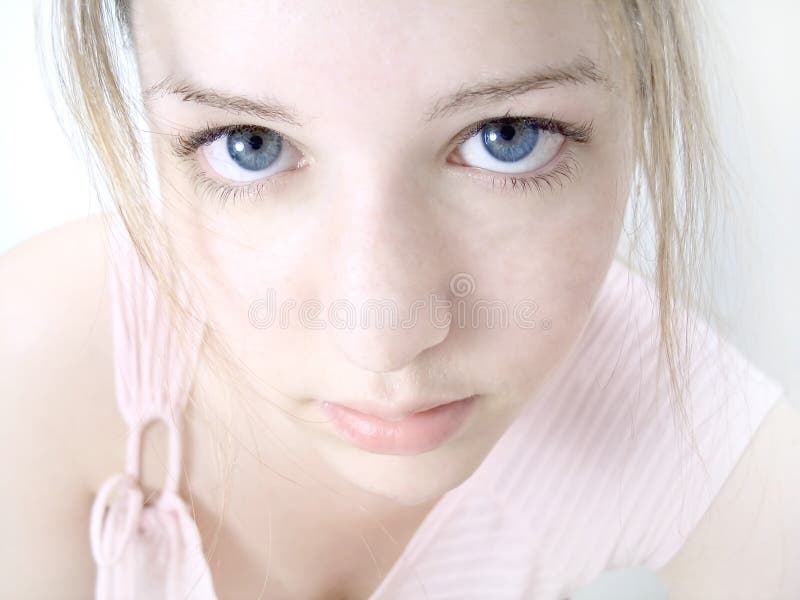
(404, 434)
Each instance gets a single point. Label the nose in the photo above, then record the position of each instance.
(388, 278)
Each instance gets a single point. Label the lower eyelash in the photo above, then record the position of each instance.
(225, 193)
(566, 171)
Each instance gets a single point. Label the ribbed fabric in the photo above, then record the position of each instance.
(593, 474)
(153, 550)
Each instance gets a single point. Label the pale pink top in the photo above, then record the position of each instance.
(592, 475)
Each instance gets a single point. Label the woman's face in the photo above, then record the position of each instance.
(373, 221)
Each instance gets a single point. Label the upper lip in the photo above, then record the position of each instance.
(398, 410)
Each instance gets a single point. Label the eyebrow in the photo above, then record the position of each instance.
(581, 71)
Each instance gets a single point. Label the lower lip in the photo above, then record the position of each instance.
(415, 434)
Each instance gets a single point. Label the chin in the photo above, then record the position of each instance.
(410, 480)
(406, 491)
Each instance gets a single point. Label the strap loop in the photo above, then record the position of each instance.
(99, 522)
(133, 458)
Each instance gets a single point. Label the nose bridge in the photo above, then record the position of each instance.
(386, 267)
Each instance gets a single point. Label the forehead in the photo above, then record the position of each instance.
(358, 51)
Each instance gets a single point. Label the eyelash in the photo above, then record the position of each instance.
(186, 147)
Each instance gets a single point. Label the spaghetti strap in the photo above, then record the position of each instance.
(143, 549)
(593, 474)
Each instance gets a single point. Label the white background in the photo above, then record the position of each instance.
(42, 184)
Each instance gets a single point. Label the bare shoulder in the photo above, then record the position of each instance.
(54, 312)
(747, 545)
(56, 383)
(45, 276)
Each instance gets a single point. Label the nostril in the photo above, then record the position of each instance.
(387, 350)
(379, 356)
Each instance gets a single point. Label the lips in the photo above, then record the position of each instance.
(406, 433)
(390, 415)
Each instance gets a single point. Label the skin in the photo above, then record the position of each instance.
(379, 209)
(326, 520)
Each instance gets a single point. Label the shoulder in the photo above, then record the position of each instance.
(747, 545)
(56, 383)
(56, 347)
(54, 311)
(65, 265)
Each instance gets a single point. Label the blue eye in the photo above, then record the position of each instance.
(248, 153)
(254, 149)
(510, 142)
(511, 147)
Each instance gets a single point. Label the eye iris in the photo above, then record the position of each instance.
(254, 149)
(510, 142)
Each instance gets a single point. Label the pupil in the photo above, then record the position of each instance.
(252, 149)
(507, 132)
(256, 141)
(510, 142)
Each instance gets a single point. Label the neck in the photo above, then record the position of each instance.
(283, 507)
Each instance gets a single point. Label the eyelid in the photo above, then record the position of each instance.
(580, 133)
(186, 145)
(231, 193)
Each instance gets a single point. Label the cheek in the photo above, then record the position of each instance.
(236, 253)
(545, 322)
(543, 257)
(241, 280)
(546, 273)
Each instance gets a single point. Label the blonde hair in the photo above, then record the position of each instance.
(677, 160)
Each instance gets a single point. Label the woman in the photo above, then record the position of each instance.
(363, 276)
